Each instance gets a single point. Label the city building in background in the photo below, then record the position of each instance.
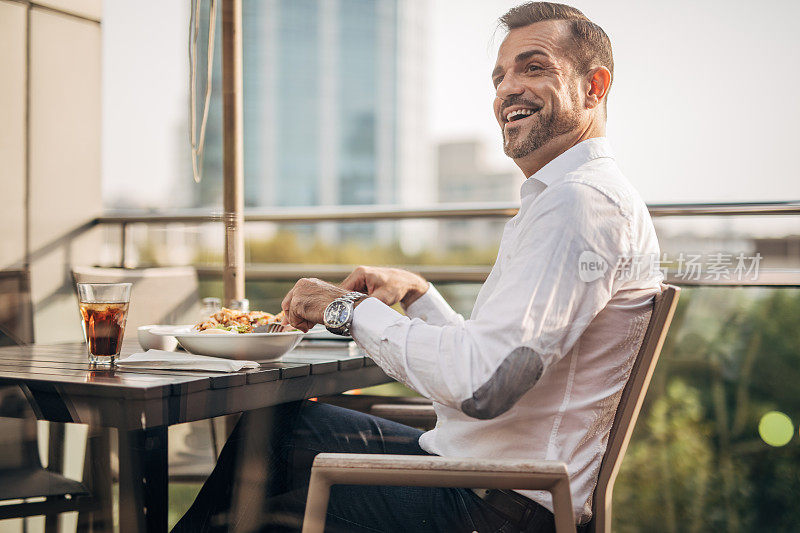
(463, 175)
(334, 108)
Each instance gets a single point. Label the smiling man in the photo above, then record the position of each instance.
(537, 371)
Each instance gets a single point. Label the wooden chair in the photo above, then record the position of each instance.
(28, 487)
(399, 470)
(420, 416)
(414, 411)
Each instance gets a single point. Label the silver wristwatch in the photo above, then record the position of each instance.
(338, 316)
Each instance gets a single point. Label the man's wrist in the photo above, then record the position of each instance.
(332, 316)
(414, 294)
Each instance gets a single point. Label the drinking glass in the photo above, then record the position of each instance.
(104, 309)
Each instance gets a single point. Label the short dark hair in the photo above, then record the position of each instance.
(591, 44)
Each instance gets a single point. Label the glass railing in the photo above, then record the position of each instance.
(449, 242)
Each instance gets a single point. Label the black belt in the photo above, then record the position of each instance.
(512, 506)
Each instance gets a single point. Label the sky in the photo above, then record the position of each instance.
(703, 106)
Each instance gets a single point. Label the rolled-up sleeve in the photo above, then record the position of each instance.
(555, 279)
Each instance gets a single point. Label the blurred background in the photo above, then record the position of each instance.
(366, 102)
(386, 104)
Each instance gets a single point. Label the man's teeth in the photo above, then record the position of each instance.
(518, 113)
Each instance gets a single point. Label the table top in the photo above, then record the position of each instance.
(61, 386)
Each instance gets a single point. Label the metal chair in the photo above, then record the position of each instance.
(36, 490)
(399, 470)
(26, 487)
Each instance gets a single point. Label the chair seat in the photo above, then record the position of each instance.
(20, 483)
(415, 415)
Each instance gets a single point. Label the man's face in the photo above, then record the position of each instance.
(537, 89)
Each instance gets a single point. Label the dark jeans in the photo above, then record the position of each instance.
(261, 479)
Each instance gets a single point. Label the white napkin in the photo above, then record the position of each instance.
(183, 361)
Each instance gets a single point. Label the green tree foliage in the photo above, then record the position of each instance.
(668, 470)
(696, 461)
(291, 247)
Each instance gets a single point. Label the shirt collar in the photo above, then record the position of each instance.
(581, 153)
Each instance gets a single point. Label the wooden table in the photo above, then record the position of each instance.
(141, 404)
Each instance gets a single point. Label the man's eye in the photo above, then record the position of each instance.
(498, 80)
(533, 68)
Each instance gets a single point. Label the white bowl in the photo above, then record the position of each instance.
(251, 346)
(150, 341)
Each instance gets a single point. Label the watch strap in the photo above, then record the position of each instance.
(352, 296)
(349, 298)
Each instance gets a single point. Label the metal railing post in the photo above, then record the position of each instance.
(123, 244)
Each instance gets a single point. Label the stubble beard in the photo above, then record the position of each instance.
(544, 129)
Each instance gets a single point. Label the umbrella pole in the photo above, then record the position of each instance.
(233, 150)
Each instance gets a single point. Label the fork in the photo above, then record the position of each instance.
(270, 328)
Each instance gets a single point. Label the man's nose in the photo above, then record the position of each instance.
(509, 87)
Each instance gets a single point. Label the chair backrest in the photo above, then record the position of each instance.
(18, 434)
(630, 403)
(16, 311)
(159, 295)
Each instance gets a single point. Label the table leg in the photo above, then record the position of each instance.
(143, 480)
(97, 478)
(247, 503)
(55, 463)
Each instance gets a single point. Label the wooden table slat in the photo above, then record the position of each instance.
(318, 365)
(225, 381)
(65, 366)
(199, 380)
(130, 379)
(263, 374)
(351, 363)
(289, 370)
(349, 360)
(72, 381)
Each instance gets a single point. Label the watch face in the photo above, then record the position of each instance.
(337, 314)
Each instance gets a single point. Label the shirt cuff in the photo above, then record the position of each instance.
(432, 308)
(371, 319)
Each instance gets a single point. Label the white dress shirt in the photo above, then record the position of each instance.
(538, 369)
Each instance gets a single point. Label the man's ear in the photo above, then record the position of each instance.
(599, 80)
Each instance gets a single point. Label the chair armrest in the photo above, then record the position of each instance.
(433, 471)
(417, 415)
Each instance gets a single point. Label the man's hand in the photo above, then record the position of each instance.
(305, 303)
(389, 285)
